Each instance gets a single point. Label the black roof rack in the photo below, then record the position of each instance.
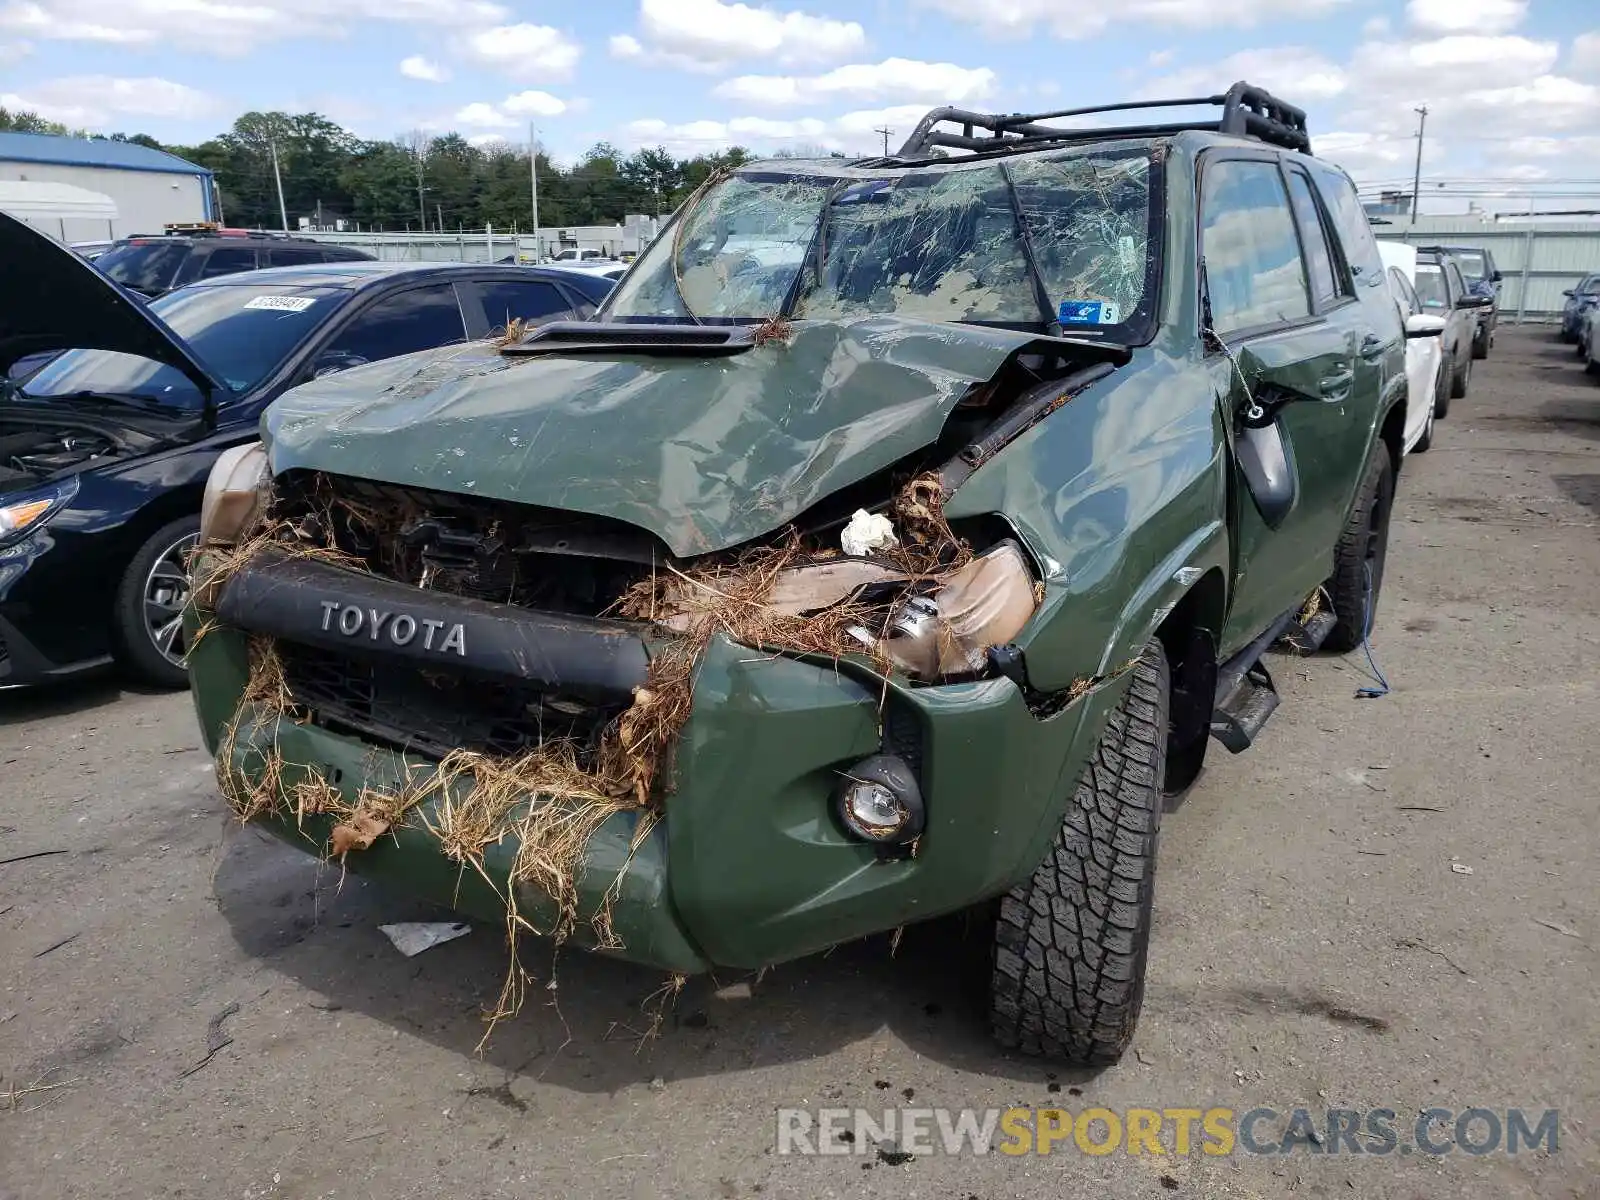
(1247, 111)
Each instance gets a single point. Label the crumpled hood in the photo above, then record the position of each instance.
(706, 453)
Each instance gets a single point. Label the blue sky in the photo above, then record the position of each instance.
(1513, 86)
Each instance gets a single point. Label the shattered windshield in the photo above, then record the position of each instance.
(1058, 241)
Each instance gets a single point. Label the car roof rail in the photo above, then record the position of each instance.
(1247, 111)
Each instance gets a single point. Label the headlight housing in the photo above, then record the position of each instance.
(20, 516)
(235, 495)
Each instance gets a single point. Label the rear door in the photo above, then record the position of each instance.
(1286, 330)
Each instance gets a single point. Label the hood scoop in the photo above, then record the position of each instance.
(589, 337)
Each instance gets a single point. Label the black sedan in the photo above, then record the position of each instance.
(104, 452)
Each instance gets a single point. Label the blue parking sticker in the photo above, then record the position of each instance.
(1089, 312)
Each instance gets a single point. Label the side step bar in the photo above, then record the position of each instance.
(1246, 695)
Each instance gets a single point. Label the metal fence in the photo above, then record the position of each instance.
(1538, 260)
(492, 245)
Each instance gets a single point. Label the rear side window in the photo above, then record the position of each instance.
(533, 302)
(1321, 266)
(1350, 223)
(292, 256)
(1254, 275)
(419, 319)
(228, 260)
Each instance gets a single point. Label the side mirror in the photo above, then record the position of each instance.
(1496, 277)
(330, 362)
(1420, 325)
(1568, 293)
(1473, 302)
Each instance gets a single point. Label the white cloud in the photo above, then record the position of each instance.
(1017, 18)
(533, 104)
(226, 27)
(1585, 57)
(483, 116)
(95, 101)
(485, 140)
(510, 113)
(1375, 27)
(533, 52)
(893, 78)
(707, 35)
(1160, 58)
(417, 67)
(1296, 73)
(1466, 16)
(14, 52)
(852, 132)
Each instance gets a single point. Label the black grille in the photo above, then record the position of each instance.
(435, 712)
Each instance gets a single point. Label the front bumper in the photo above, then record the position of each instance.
(748, 865)
(50, 628)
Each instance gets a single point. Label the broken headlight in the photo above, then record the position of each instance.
(235, 494)
(947, 630)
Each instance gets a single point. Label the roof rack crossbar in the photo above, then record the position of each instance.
(1247, 111)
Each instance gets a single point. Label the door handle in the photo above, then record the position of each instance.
(1372, 346)
(1336, 386)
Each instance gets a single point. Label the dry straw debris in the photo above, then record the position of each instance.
(549, 802)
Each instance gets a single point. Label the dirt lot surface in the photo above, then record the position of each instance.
(223, 1018)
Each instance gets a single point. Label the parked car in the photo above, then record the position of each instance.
(1443, 292)
(611, 271)
(579, 254)
(956, 535)
(1589, 341)
(1579, 301)
(1426, 379)
(1482, 278)
(104, 452)
(156, 264)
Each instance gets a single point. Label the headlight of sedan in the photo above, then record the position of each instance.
(235, 494)
(19, 517)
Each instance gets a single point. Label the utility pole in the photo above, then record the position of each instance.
(533, 179)
(277, 177)
(1416, 178)
(438, 211)
(886, 132)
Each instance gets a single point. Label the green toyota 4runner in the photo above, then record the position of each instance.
(895, 539)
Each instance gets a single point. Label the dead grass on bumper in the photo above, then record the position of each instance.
(548, 800)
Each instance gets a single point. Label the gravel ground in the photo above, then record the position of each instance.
(223, 1018)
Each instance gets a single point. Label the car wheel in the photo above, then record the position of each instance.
(1070, 945)
(1463, 377)
(1480, 344)
(1426, 439)
(149, 614)
(1590, 365)
(1441, 393)
(1357, 579)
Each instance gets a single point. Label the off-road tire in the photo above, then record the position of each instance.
(1070, 945)
(1364, 543)
(136, 651)
(1462, 377)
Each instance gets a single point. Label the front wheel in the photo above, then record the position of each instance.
(149, 605)
(1426, 439)
(1463, 377)
(1071, 944)
(1480, 344)
(1358, 559)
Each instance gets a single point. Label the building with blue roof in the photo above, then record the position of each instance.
(149, 188)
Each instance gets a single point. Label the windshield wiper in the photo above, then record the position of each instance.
(1041, 294)
(87, 396)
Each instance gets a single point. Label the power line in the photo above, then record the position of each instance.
(886, 131)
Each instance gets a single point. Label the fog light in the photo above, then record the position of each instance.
(879, 801)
